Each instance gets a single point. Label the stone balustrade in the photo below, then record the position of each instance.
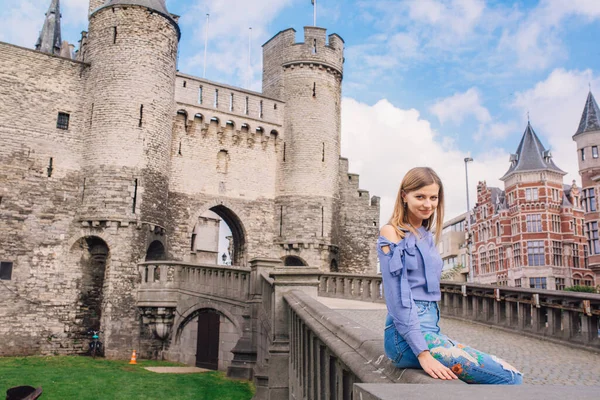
(352, 287)
(557, 315)
(163, 281)
(329, 353)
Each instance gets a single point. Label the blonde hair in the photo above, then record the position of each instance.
(415, 179)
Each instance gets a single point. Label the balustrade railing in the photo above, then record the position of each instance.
(329, 353)
(566, 316)
(161, 281)
(352, 287)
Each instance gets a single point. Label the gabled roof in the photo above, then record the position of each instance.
(531, 155)
(589, 117)
(50, 40)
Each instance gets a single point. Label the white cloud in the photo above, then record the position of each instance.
(460, 106)
(228, 38)
(383, 142)
(555, 106)
(496, 130)
(536, 39)
(21, 21)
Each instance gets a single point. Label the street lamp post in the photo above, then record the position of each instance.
(469, 233)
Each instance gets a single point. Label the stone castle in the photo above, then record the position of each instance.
(111, 157)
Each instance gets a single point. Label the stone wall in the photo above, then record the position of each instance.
(39, 197)
(359, 225)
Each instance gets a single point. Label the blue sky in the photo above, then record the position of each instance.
(426, 82)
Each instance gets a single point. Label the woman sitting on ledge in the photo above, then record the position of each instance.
(411, 268)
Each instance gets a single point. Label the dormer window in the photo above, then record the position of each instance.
(514, 158)
(547, 156)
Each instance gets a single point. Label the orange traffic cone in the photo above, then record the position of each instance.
(133, 358)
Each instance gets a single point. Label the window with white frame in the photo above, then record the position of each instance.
(514, 225)
(589, 200)
(575, 252)
(537, 283)
(517, 254)
(555, 223)
(557, 259)
(534, 222)
(531, 194)
(535, 252)
(591, 229)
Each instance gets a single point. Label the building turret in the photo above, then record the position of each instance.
(308, 77)
(49, 40)
(587, 138)
(532, 159)
(132, 48)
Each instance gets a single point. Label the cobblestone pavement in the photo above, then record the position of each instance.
(542, 362)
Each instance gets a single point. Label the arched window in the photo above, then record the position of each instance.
(222, 161)
(293, 261)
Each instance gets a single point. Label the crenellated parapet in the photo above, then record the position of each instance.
(317, 51)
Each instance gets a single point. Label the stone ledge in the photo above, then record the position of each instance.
(374, 391)
(357, 347)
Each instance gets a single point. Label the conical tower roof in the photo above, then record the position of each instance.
(531, 155)
(50, 40)
(590, 116)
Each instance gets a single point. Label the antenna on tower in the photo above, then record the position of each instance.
(249, 76)
(205, 44)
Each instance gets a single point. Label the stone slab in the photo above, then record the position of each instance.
(177, 370)
(343, 304)
(371, 391)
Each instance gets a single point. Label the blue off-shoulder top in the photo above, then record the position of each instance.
(411, 270)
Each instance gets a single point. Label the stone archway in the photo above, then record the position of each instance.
(294, 261)
(208, 325)
(156, 251)
(91, 255)
(238, 250)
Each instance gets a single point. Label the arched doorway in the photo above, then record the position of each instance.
(334, 265)
(219, 238)
(156, 251)
(207, 344)
(92, 256)
(294, 261)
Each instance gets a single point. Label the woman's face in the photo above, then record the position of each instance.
(421, 203)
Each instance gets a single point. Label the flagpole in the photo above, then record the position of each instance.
(314, 12)
(205, 45)
(249, 59)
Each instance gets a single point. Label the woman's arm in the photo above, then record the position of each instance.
(405, 317)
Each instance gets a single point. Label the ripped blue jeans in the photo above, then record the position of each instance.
(470, 365)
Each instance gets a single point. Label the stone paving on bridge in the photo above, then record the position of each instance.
(542, 362)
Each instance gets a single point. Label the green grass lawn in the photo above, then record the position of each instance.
(74, 377)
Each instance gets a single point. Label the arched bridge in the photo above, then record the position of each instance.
(304, 334)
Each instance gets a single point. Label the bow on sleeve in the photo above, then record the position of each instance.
(397, 265)
(428, 264)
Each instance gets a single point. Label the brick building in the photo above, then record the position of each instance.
(533, 233)
(111, 157)
(587, 138)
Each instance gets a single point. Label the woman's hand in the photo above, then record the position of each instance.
(435, 368)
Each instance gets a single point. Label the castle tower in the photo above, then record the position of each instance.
(50, 40)
(308, 77)
(132, 49)
(587, 138)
